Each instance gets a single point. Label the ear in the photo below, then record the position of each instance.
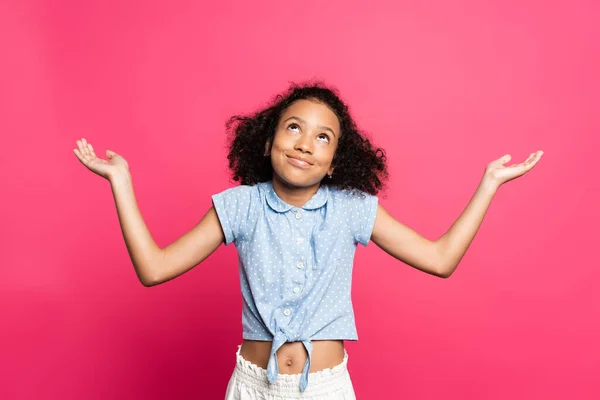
(331, 166)
(267, 148)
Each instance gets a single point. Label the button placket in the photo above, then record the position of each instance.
(299, 264)
(299, 240)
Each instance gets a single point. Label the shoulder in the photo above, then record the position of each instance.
(358, 209)
(240, 193)
(242, 198)
(240, 190)
(236, 209)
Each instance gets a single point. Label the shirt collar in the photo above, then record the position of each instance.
(316, 201)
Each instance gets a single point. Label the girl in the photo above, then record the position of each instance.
(309, 180)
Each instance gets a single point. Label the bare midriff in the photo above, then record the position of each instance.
(291, 356)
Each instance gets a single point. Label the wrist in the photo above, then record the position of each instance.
(120, 177)
(488, 182)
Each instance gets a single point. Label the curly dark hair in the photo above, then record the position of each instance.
(358, 165)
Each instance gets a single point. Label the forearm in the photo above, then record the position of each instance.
(453, 245)
(143, 250)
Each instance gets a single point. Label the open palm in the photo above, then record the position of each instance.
(105, 168)
(500, 173)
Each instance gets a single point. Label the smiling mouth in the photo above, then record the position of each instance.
(299, 163)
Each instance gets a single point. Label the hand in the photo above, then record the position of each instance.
(106, 169)
(498, 174)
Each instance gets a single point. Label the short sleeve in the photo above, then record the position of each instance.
(364, 210)
(233, 207)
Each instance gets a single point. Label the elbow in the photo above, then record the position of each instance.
(444, 275)
(147, 283)
(445, 272)
(444, 269)
(148, 273)
(149, 280)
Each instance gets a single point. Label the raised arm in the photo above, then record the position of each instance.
(442, 256)
(152, 264)
(406, 245)
(190, 249)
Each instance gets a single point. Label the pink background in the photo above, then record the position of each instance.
(444, 87)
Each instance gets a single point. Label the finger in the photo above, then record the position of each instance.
(85, 146)
(538, 155)
(535, 160)
(520, 168)
(84, 152)
(81, 157)
(528, 160)
(531, 161)
(82, 147)
(535, 157)
(91, 150)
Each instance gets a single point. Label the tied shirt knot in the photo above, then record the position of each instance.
(272, 367)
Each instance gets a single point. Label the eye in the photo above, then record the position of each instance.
(290, 126)
(324, 136)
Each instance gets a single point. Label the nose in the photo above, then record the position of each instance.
(304, 144)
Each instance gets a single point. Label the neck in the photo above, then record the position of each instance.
(296, 196)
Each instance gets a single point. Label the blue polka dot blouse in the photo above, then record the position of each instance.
(295, 263)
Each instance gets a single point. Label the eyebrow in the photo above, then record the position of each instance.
(304, 122)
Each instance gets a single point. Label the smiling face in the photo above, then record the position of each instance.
(305, 141)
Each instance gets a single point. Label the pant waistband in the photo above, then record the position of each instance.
(320, 381)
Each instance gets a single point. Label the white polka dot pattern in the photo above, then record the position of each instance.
(295, 263)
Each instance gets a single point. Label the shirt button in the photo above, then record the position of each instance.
(287, 311)
(300, 240)
(296, 289)
(298, 215)
(299, 264)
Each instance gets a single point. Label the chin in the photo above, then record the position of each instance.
(296, 178)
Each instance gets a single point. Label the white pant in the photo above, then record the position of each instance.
(249, 382)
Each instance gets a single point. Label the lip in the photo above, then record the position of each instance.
(298, 162)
